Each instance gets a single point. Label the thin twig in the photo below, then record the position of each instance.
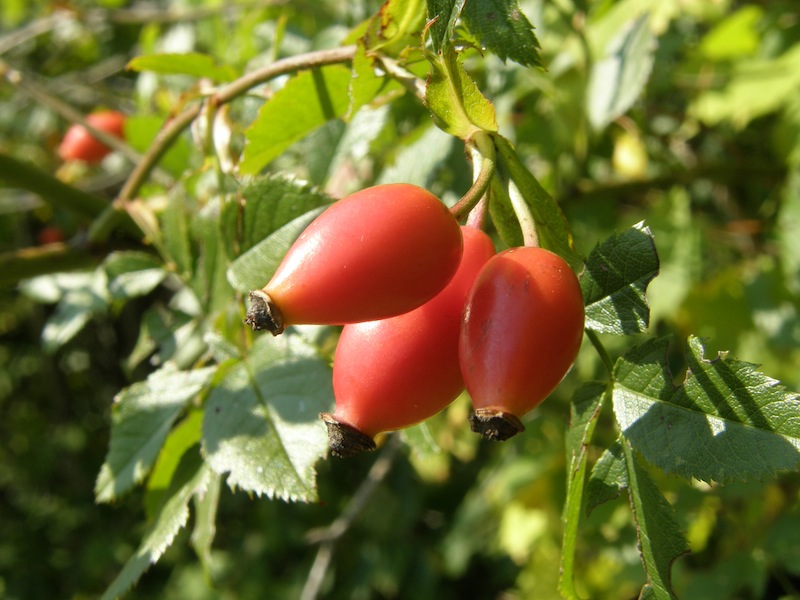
(226, 94)
(411, 82)
(328, 536)
(175, 126)
(31, 30)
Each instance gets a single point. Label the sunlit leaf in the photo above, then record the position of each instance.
(617, 80)
(442, 18)
(191, 63)
(457, 104)
(253, 269)
(734, 36)
(501, 26)
(726, 422)
(756, 87)
(74, 310)
(615, 281)
(306, 101)
(261, 429)
(132, 274)
(142, 417)
(181, 439)
(418, 162)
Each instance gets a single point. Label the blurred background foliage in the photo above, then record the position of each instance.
(708, 156)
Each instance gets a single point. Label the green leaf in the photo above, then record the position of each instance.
(210, 282)
(442, 18)
(131, 274)
(419, 161)
(615, 282)
(140, 133)
(585, 409)
(191, 479)
(141, 418)
(272, 202)
(501, 27)
(788, 226)
(396, 27)
(781, 542)
(205, 522)
(192, 63)
(261, 427)
(661, 540)
(368, 84)
(727, 422)
(355, 148)
(734, 36)
(551, 224)
(455, 101)
(175, 232)
(74, 310)
(306, 102)
(183, 437)
(619, 78)
(253, 269)
(756, 87)
(608, 478)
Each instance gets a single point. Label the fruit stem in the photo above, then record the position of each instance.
(530, 236)
(263, 314)
(483, 154)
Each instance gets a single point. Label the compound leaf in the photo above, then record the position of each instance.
(615, 281)
(726, 422)
(306, 102)
(261, 426)
(501, 27)
(141, 418)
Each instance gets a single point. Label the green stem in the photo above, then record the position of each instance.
(601, 350)
(30, 262)
(530, 237)
(484, 158)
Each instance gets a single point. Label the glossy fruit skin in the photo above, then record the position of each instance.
(521, 330)
(378, 253)
(396, 372)
(78, 143)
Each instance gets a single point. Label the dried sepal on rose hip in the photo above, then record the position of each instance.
(521, 331)
(380, 252)
(396, 372)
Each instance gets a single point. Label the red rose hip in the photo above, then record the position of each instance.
(521, 331)
(79, 144)
(393, 373)
(378, 253)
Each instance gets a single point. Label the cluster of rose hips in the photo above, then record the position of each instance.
(429, 308)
